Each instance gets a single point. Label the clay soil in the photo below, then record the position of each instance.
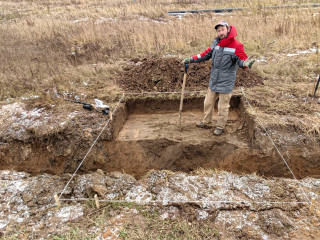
(144, 135)
(166, 74)
(151, 138)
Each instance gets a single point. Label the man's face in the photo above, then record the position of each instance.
(222, 32)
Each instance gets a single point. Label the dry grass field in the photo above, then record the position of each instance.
(59, 44)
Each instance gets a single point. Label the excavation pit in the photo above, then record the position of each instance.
(151, 138)
(145, 135)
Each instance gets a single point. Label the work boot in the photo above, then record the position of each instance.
(204, 125)
(218, 131)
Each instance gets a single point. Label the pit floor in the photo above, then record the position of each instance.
(166, 125)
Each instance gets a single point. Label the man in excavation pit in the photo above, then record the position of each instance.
(227, 55)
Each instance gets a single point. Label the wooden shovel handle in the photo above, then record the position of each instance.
(183, 87)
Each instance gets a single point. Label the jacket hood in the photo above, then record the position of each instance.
(232, 34)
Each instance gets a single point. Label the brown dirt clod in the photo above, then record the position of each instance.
(166, 74)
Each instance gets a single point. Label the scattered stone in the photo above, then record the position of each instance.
(100, 172)
(87, 133)
(129, 178)
(116, 175)
(26, 197)
(109, 181)
(252, 216)
(67, 152)
(101, 190)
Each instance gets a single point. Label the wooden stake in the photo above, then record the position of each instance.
(56, 198)
(97, 201)
(312, 205)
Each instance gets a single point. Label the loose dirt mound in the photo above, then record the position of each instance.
(167, 75)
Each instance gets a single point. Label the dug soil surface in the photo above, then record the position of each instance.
(145, 134)
(166, 74)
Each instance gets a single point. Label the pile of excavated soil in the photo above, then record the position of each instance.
(166, 74)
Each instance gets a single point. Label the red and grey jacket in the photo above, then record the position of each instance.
(227, 55)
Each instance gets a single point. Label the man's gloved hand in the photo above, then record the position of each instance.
(186, 61)
(249, 62)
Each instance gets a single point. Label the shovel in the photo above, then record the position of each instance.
(315, 90)
(182, 93)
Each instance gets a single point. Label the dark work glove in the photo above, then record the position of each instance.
(249, 62)
(186, 61)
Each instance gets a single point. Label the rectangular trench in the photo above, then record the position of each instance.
(150, 138)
